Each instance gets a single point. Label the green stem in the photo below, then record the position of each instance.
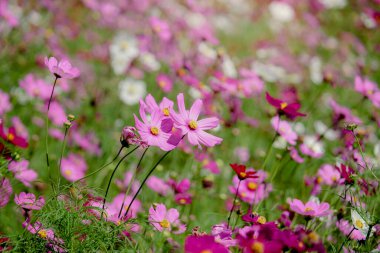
(62, 151)
(348, 237)
(113, 173)
(143, 182)
(362, 154)
(47, 134)
(233, 205)
(132, 179)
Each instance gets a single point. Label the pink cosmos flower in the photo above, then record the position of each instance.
(21, 130)
(161, 28)
(203, 244)
(329, 175)
(223, 235)
(22, 172)
(35, 87)
(29, 201)
(5, 191)
(73, 167)
(86, 141)
(180, 187)
(150, 105)
(57, 113)
(252, 190)
(368, 89)
(61, 69)
(250, 84)
(37, 228)
(124, 184)
(188, 123)
(165, 220)
(183, 198)
(114, 207)
(158, 185)
(284, 129)
(5, 104)
(151, 130)
(165, 83)
(295, 156)
(311, 208)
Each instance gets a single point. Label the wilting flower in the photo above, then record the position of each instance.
(242, 173)
(29, 201)
(129, 136)
(188, 123)
(290, 110)
(311, 208)
(165, 220)
(61, 69)
(203, 244)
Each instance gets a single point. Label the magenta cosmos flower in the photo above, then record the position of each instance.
(61, 69)
(188, 123)
(29, 201)
(311, 208)
(13, 137)
(203, 244)
(290, 110)
(165, 220)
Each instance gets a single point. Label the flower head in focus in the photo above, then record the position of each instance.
(61, 69)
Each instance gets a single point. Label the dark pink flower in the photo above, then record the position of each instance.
(203, 244)
(29, 201)
(61, 69)
(13, 137)
(188, 123)
(290, 110)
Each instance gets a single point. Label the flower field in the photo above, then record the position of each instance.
(189, 126)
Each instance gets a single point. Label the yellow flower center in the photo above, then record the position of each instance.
(42, 233)
(124, 45)
(182, 201)
(161, 84)
(165, 223)
(243, 194)
(68, 172)
(157, 28)
(242, 174)
(206, 251)
(314, 237)
(262, 220)
(283, 105)
(11, 137)
(359, 224)
(307, 209)
(193, 124)
(319, 180)
(166, 111)
(252, 186)
(181, 72)
(257, 247)
(154, 130)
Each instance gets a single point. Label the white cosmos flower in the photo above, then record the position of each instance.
(359, 223)
(281, 12)
(131, 91)
(228, 67)
(315, 69)
(123, 50)
(333, 4)
(205, 49)
(150, 61)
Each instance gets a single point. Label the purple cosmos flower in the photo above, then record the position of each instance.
(29, 201)
(61, 69)
(165, 220)
(311, 208)
(188, 123)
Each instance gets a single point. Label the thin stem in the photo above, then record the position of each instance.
(113, 173)
(362, 154)
(233, 205)
(131, 182)
(271, 145)
(62, 151)
(101, 168)
(47, 133)
(348, 237)
(143, 182)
